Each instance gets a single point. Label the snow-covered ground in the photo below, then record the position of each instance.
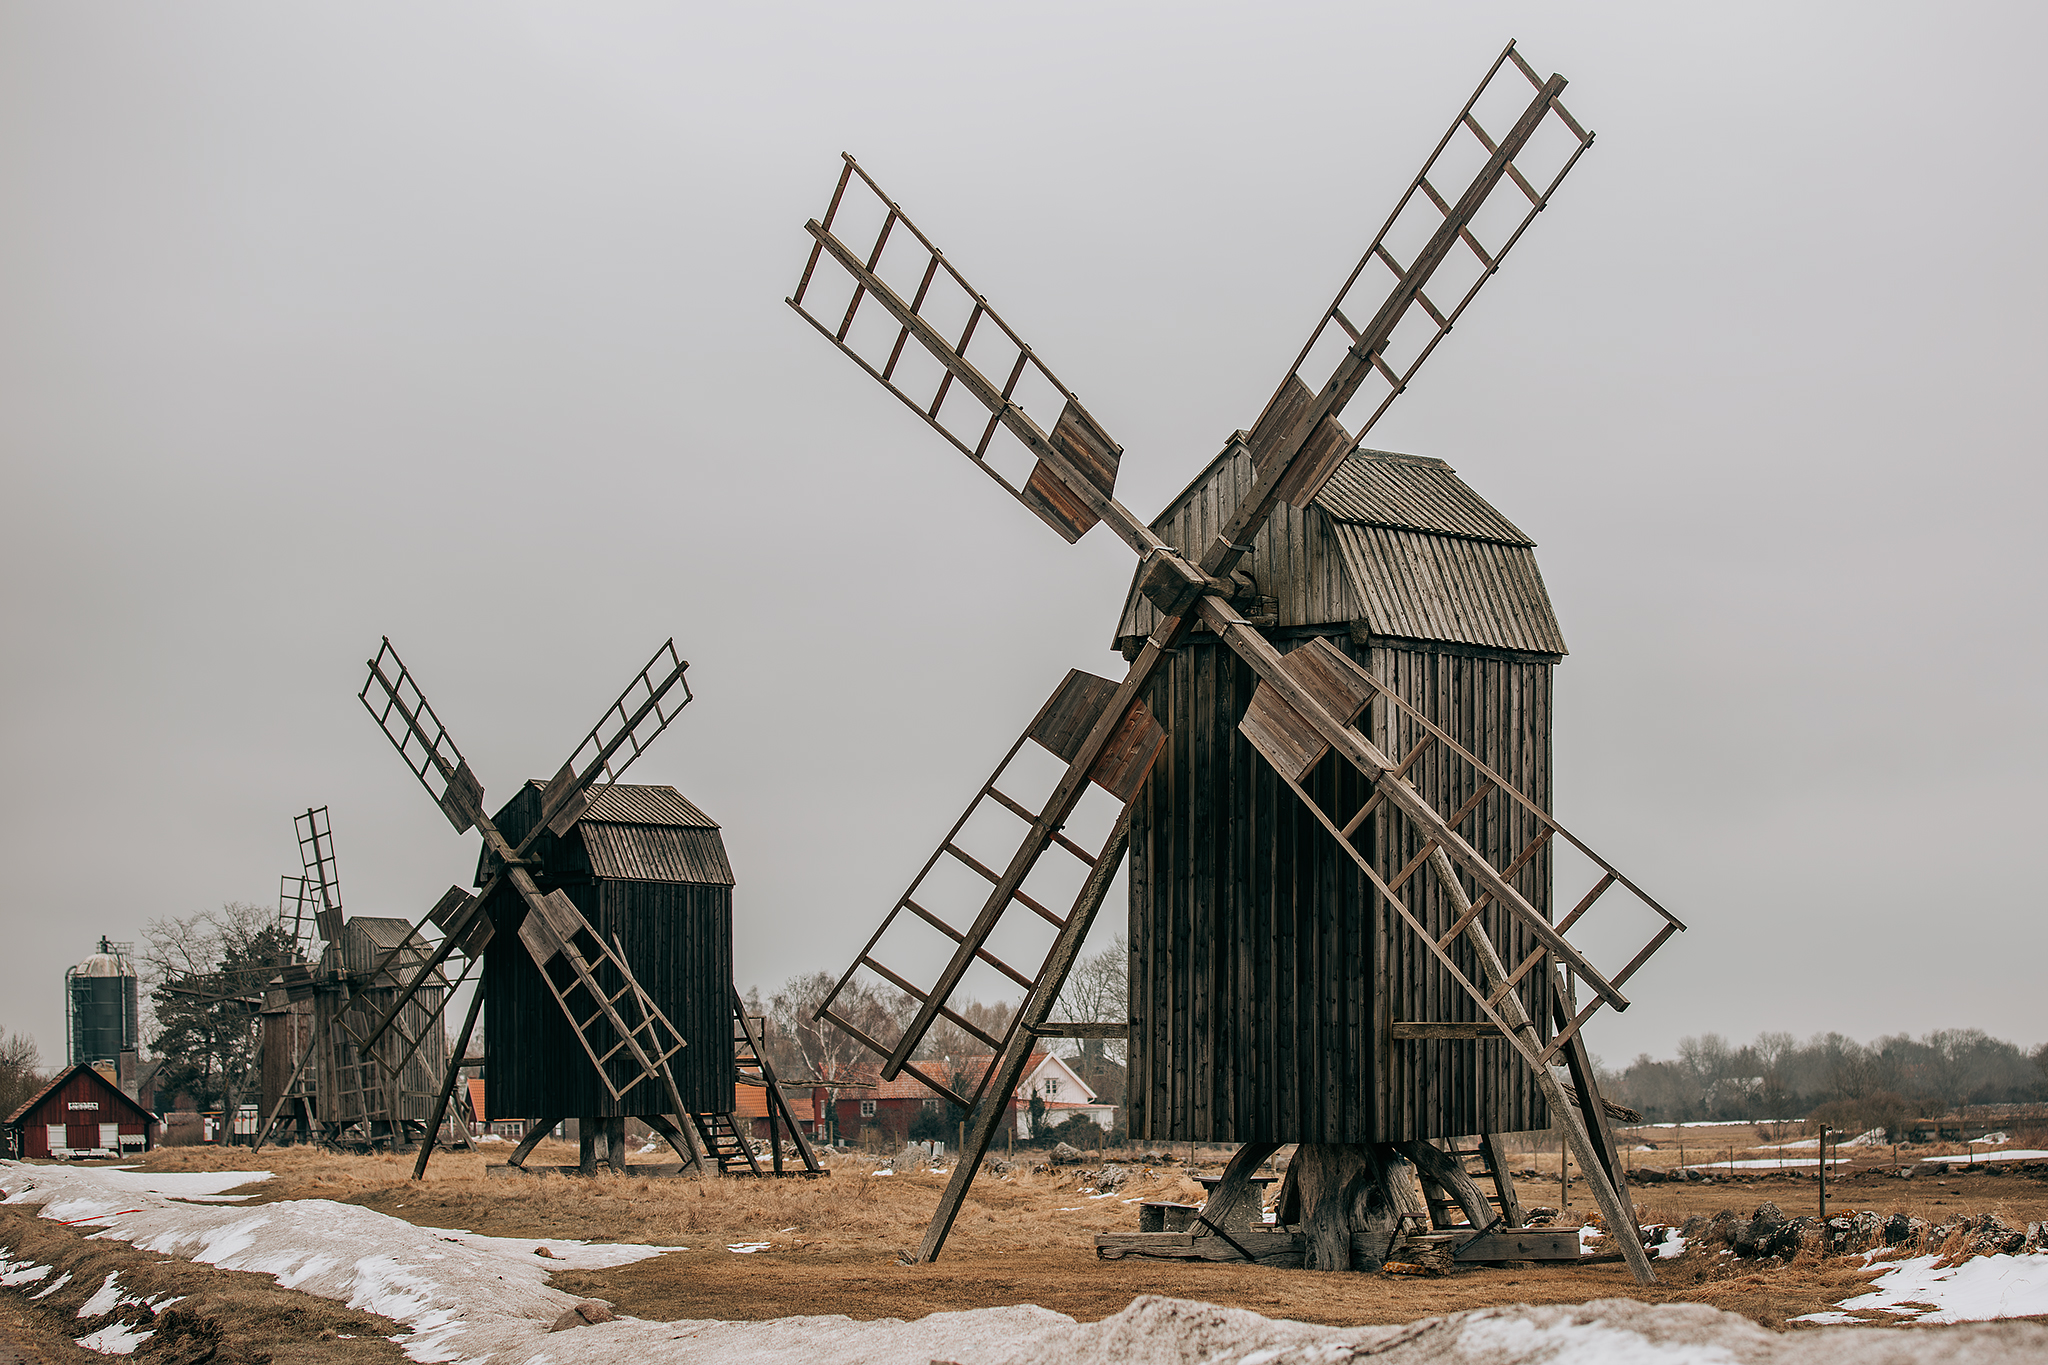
(1979, 1158)
(1768, 1163)
(1919, 1290)
(465, 1296)
(470, 1298)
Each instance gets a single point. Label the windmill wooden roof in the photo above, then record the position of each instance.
(1397, 543)
(635, 833)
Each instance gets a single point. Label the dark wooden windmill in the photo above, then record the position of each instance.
(319, 1063)
(1311, 812)
(603, 922)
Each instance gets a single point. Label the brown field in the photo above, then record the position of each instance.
(834, 1244)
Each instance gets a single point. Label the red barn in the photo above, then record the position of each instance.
(79, 1114)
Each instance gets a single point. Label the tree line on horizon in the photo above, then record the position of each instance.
(1885, 1083)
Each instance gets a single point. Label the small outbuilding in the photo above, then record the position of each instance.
(79, 1114)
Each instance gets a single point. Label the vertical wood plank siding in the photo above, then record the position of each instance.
(1265, 969)
(677, 938)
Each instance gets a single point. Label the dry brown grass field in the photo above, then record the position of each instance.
(833, 1245)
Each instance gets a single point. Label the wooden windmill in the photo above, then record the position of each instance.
(343, 1084)
(603, 923)
(1462, 901)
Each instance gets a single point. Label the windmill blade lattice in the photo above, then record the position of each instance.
(1062, 728)
(1031, 415)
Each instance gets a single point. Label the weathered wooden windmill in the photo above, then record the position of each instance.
(319, 1059)
(1402, 870)
(603, 923)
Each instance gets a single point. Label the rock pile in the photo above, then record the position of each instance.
(1769, 1233)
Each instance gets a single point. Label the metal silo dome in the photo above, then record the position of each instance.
(100, 996)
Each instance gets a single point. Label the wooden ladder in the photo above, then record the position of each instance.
(724, 1142)
(617, 1021)
(749, 1056)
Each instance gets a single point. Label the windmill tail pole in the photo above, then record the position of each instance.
(1621, 1219)
(1008, 1069)
(476, 1004)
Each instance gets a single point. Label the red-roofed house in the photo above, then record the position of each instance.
(80, 1113)
(889, 1107)
(750, 1108)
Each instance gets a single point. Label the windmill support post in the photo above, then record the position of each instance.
(531, 1140)
(1008, 1070)
(461, 1050)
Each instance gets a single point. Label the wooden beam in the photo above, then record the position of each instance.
(1406, 1029)
(1079, 1030)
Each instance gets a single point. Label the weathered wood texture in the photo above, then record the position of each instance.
(1266, 973)
(346, 1090)
(673, 917)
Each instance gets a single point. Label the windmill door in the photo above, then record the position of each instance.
(82, 1136)
(54, 1136)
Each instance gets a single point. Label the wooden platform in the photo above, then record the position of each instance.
(659, 1171)
(1283, 1247)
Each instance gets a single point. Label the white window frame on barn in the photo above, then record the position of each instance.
(867, 1109)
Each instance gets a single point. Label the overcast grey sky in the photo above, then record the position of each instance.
(464, 323)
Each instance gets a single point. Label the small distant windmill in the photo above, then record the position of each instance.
(587, 1031)
(345, 1085)
(1478, 928)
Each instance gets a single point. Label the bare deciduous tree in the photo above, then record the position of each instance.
(21, 1071)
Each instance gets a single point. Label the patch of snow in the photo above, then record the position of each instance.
(1767, 1163)
(14, 1274)
(105, 1299)
(52, 1288)
(1672, 1246)
(1980, 1157)
(175, 1184)
(567, 1253)
(1512, 1337)
(462, 1302)
(116, 1339)
(749, 1248)
(1980, 1288)
(1992, 1139)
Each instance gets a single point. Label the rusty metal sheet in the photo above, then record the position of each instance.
(1071, 714)
(1121, 768)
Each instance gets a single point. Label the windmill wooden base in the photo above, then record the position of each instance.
(1353, 1206)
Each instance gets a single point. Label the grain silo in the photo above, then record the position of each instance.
(100, 999)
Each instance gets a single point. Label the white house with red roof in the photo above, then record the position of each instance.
(888, 1107)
